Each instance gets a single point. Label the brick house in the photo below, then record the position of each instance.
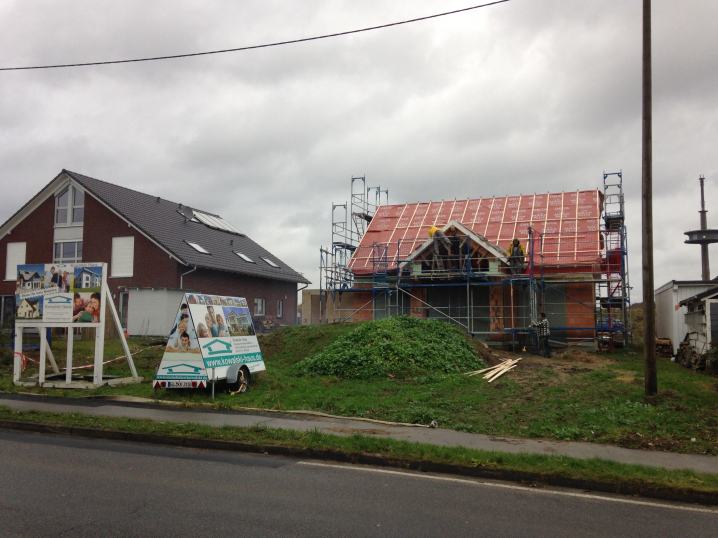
(148, 243)
(573, 267)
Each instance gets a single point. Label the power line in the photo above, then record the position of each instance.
(252, 47)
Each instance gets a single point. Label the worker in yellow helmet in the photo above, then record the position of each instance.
(516, 256)
(432, 231)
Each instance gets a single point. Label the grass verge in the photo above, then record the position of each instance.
(556, 470)
(575, 396)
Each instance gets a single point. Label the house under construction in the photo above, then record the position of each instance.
(383, 262)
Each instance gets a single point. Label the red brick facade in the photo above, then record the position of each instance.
(152, 268)
(37, 232)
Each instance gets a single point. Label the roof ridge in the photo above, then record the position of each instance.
(155, 196)
(468, 199)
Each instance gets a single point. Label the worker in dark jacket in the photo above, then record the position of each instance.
(543, 331)
(516, 257)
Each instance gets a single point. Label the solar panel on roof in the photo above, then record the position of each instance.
(216, 222)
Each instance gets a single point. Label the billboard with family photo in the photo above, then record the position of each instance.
(209, 332)
(59, 292)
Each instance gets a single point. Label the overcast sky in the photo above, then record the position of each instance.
(528, 96)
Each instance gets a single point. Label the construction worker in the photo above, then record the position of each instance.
(543, 331)
(439, 240)
(516, 256)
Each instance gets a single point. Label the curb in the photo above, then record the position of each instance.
(524, 477)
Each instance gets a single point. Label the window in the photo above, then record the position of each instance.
(15, 256)
(198, 248)
(244, 257)
(259, 307)
(123, 256)
(7, 311)
(70, 206)
(78, 206)
(67, 251)
(280, 308)
(270, 262)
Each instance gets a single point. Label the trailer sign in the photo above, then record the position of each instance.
(211, 333)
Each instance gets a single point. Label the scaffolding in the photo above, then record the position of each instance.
(575, 273)
(349, 224)
(613, 289)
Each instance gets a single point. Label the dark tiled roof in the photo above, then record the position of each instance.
(160, 220)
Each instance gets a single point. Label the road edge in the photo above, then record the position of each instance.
(523, 477)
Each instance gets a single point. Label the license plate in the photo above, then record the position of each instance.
(182, 384)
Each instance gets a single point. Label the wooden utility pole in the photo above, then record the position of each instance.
(649, 305)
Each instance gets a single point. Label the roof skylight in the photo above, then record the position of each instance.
(270, 262)
(216, 222)
(198, 248)
(244, 257)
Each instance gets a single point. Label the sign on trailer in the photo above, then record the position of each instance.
(210, 336)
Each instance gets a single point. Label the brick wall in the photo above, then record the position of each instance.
(37, 231)
(153, 268)
(223, 283)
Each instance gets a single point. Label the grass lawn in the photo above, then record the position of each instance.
(574, 396)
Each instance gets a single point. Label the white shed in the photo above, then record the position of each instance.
(702, 319)
(151, 312)
(670, 315)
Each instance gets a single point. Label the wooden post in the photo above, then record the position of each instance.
(50, 354)
(121, 332)
(649, 305)
(43, 356)
(17, 356)
(68, 354)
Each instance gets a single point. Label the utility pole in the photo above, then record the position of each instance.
(649, 304)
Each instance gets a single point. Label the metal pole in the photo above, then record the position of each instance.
(705, 265)
(649, 305)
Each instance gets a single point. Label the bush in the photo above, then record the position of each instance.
(399, 346)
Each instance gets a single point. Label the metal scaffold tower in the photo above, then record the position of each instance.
(349, 224)
(612, 288)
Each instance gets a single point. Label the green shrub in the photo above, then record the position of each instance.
(398, 346)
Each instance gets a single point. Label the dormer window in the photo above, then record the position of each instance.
(70, 206)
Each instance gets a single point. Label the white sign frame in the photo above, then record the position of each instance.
(46, 353)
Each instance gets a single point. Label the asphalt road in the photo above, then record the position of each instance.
(67, 486)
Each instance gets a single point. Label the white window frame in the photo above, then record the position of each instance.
(244, 257)
(70, 208)
(260, 306)
(116, 245)
(280, 308)
(62, 259)
(18, 246)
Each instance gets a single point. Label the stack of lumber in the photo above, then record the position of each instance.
(492, 373)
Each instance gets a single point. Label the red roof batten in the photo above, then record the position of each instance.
(570, 222)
